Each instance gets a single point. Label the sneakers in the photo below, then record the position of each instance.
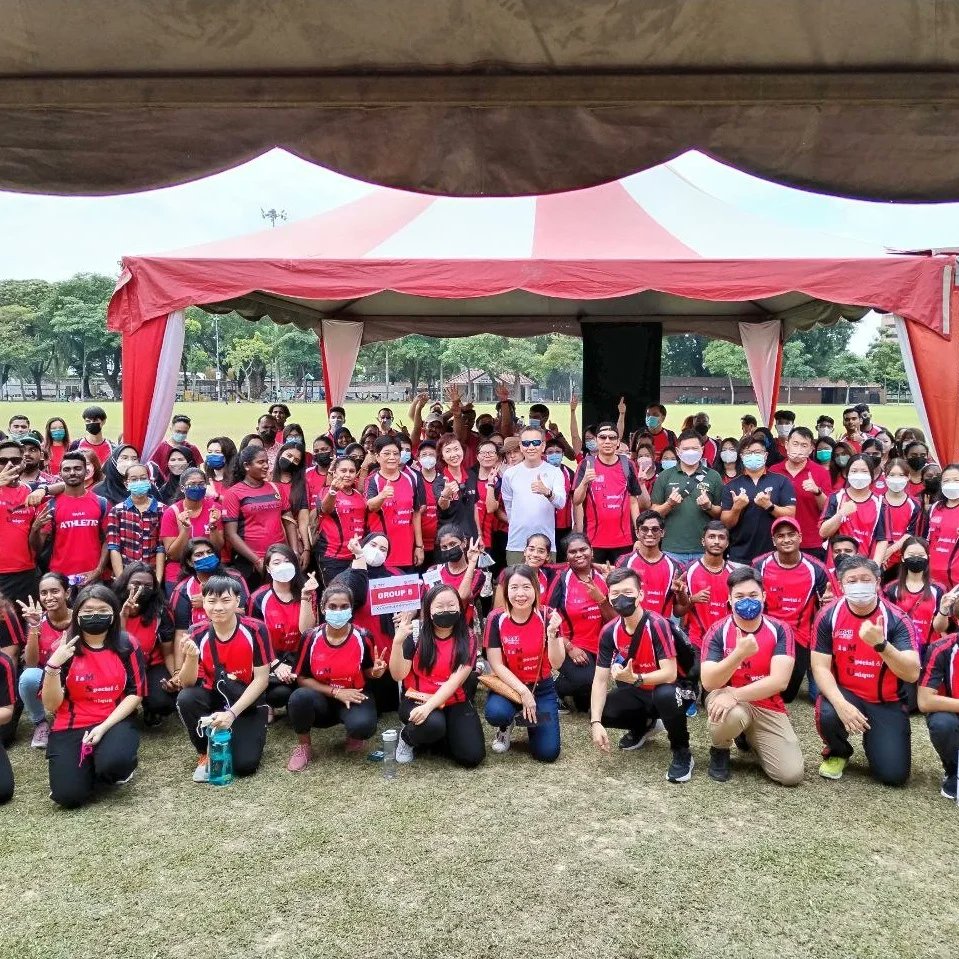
(503, 738)
(355, 745)
(563, 707)
(123, 782)
(719, 764)
(681, 768)
(300, 758)
(404, 751)
(948, 790)
(202, 772)
(634, 740)
(41, 735)
(833, 767)
(151, 720)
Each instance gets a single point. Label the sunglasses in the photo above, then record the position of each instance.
(10, 460)
(531, 442)
(607, 436)
(650, 529)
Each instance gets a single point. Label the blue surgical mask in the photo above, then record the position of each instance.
(216, 461)
(58, 436)
(296, 440)
(405, 456)
(754, 461)
(554, 459)
(652, 422)
(338, 618)
(592, 446)
(206, 564)
(178, 438)
(748, 609)
(668, 464)
(194, 493)
(533, 421)
(139, 487)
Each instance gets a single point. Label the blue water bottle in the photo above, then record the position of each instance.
(220, 756)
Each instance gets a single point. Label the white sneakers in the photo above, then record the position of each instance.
(503, 738)
(404, 751)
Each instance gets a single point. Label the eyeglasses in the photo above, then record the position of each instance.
(531, 442)
(650, 529)
(10, 460)
(607, 436)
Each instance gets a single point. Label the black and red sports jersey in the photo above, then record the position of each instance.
(247, 648)
(317, 480)
(8, 681)
(697, 577)
(11, 627)
(185, 614)
(257, 513)
(545, 576)
(855, 664)
(380, 627)
(582, 617)
(655, 644)
(606, 510)
(16, 518)
(429, 681)
(941, 672)
(48, 640)
(79, 530)
(523, 645)
(336, 665)
(96, 681)
(943, 535)
(658, 577)
(920, 609)
(662, 439)
(901, 520)
(335, 530)
(455, 580)
(429, 518)
(793, 593)
(564, 515)
(773, 639)
(151, 637)
(395, 517)
(867, 526)
(282, 619)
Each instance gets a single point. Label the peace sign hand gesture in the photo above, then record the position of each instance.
(63, 653)
(32, 612)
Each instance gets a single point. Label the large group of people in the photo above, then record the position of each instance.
(634, 579)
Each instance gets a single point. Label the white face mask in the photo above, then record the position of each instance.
(690, 457)
(950, 490)
(644, 463)
(825, 431)
(729, 456)
(859, 480)
(861, 593)
(427, 462)
(784, 429)
(373, 555)
(896, 483)
(283, 572)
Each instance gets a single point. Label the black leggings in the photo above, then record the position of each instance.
(114, 758)
(576, 681)
(309, 708)
(249, 728)
(385, 692)
(944, 733)
(331, 568)
(800, 668)
(158, 701)
(610, 554)
(456, 725)
(8, 731)
(887, 741)
(629, 707)
(6, 777)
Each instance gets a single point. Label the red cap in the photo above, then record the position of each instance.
(786, 521)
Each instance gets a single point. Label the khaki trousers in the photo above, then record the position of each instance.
(770, 736)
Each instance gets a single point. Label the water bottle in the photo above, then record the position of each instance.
(389, 754)
(220, 756)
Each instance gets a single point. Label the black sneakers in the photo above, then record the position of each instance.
(948, 790)
(681, 768)
(719, 764)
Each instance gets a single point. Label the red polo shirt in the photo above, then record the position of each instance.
(807, 512)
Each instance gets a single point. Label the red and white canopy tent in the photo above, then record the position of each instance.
(650, 248)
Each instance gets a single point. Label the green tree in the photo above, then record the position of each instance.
(884, 362)
(795, 365)
(823, 344)
(726, 359)
(683, 355)
(247, 358)
(847, 368)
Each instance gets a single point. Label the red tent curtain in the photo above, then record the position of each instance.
(340, 342)
(763, 345)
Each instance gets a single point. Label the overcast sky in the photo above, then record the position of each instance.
(54, 237)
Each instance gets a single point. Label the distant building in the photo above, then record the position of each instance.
(478, 386)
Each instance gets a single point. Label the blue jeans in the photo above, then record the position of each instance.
(684, 558)
(544, 736)
(29, 686)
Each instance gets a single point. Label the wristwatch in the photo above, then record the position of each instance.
(879, 647)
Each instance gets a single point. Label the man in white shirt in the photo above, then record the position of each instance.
(532, 492)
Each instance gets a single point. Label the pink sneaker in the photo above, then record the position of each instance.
(41, 735)
(355, 745)
(300, 759)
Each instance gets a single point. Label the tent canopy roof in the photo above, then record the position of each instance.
(650, 247)
(481, 98)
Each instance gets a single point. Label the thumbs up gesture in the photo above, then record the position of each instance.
(538, 486)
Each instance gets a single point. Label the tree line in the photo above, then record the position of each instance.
(50, 331)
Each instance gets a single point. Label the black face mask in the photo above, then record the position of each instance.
(145, 596)
(323, 459)
(485, 429)
(95, 623)
(289, 465)
(446, 620)
(932, 485)
(268, 437)
(916, 564)
(624, 605)
(701, 428)
(452, 555)
(94, 429)
(916, 462)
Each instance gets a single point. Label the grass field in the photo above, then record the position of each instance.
(593, 856)
(213, 419)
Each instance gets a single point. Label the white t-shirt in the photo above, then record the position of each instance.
(530, 512)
